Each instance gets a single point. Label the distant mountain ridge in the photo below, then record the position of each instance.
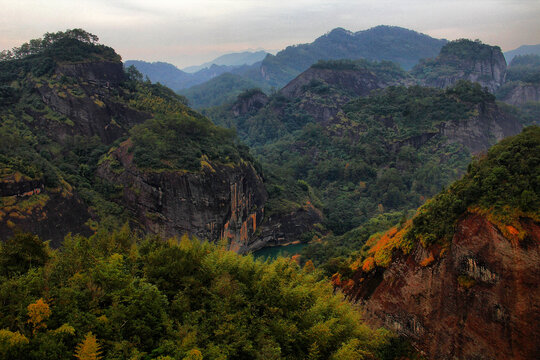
(522, 50)
(392, 43)
(233, 59)
(402, 46)
(176, 79)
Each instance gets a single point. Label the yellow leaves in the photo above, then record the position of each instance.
(88, 349)
(193, 354)
(185, 243)
(12, 339)
(65, 329)
(309, 267)
(38, 312)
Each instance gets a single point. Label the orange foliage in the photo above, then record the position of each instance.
(368, 265)
(427, 261)
(309, 267)
(296, 258)
(88, 349)
(336, 279)
(38, 312)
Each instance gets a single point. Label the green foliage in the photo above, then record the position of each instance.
(383, 150)
(384, 70)
(121, 297)
(180, 142)
(218, 91)
(524, 68)
(455, 57)
(505, 185)
(20, 253)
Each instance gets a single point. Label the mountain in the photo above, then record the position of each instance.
(88, 146)
(522, 85)
(460, 269)
(220, 90)
(364, 142)
(233, 59)
(402, 46)
(170, 76)
(463, 60)
(522, 50)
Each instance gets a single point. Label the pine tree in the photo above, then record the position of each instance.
(88, 349)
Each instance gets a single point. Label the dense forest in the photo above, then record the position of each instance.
(115, 296)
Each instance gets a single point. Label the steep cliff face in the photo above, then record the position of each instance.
(464, 60)
(287, 228)
(475, 299)
(478, 132)
(85, 95)
(461, 278)
(27, 205)
(323, 89)
(219, 202)
(357, 82)
(249, 102)
(521, 93)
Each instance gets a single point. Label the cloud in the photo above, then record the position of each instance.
(187, 32)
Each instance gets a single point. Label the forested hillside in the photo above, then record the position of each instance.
(114, 296)
(475, 243)
(73, 122)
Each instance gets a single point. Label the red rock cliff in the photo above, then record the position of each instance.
(477, 299)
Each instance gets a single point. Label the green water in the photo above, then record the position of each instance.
(274, 251)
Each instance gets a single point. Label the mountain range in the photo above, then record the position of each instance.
(413, 188)
(232, 59)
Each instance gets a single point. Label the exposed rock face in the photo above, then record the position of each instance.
(28, 206)
(95, 112)
(477, 299)
(250, 104)
(283, 229)
(481, 131)
(325, 106)
(522, 94)
(356, 82)
(448, 69)
(220, 202)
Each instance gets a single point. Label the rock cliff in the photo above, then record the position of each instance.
(219, 202)
(464, 60)
(85, 95)
(476, 299)
(460, 279)
(28, 205)
(521, 93)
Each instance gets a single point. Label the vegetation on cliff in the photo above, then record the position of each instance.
(382, 154)
(118, 296)
(503, 185)
(455, 58)
(65, 102)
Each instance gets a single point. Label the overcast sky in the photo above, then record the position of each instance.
(190, 32)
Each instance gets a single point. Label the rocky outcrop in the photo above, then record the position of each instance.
(219, 202)
(323, 92)
(522, 93)
(287, 228)
(478, 132)
(249, 103)
(475, 299)
(354, 82)
(86, 104)
(27, 205)
(479, 63)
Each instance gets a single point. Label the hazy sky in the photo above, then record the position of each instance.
(190, 32)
